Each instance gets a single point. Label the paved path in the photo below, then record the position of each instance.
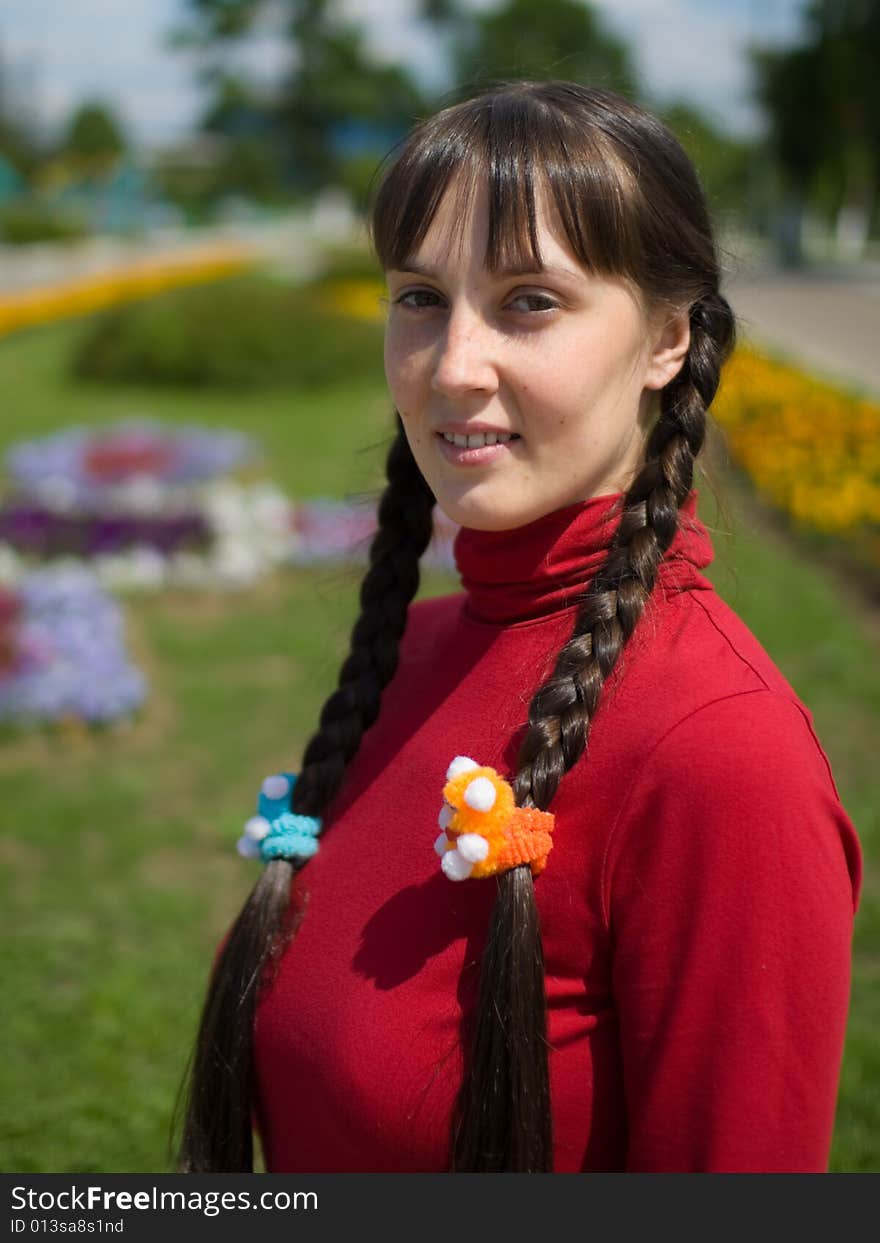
(827, 318)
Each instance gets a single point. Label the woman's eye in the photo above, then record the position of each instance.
(533, 302)
(416, 298)
(526, 303)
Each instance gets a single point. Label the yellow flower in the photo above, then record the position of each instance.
(811, 448)
(83, 294)
(360, 299)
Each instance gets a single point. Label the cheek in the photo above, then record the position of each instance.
(390, 361)
(587, 373)
(402, 372)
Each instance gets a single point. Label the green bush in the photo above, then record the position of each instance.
(25, 220)
(243, 332)
(349, 263)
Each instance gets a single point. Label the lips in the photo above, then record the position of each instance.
(479, 455)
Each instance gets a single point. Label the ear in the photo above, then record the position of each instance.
(670, 348)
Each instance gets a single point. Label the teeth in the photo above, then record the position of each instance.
(477, 442)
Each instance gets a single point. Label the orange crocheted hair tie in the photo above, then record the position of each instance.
(484, 832)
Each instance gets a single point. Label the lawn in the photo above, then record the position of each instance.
(119, 873)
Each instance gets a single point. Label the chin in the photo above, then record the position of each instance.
(488, 515)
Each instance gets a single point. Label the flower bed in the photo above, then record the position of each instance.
(147, 506)
(143, 505)
(358, 299)
(82, 295)
(810, 448)
(330, 530)
(129, 465)
(62, 652)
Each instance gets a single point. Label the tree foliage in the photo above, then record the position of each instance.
(335, 86)
(94, 135)
(332, 80)
(822, 100)
(556, 39)
(723, 163)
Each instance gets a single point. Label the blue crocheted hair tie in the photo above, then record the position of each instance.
(276, 832)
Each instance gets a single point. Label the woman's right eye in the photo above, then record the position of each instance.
(417, 294)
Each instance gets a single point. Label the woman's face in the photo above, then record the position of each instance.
(564, 361)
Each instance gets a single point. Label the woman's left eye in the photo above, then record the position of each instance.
(417, 294)
(535, 301)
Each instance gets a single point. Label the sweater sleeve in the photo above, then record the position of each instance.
(730, 882)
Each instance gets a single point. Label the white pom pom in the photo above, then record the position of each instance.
(446, 815)
(441, 844)
(257, 828)
(461, 764)
(455, 866)
(473, 847)
(276, 787)
(247, 849)
(480, 794)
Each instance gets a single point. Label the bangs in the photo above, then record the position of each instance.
(518, 146)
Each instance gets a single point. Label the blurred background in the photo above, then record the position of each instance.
(193, 436)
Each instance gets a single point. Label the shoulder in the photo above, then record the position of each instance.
(738, 787)
(699, 634)
(691, 663)
(741, 737)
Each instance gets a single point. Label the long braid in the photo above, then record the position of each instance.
(217, 1133)
(502, 1116)
(405, 517)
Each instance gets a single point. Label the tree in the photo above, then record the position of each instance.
(822, 99)
(556, 39)
(332, 80)
(723, 163)
(94, 136)
(93, 139)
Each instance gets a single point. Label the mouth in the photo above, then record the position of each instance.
(481, 439)
(475, 455)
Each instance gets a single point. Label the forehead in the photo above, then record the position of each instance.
(460, 233)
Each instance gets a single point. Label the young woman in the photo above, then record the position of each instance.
(661, 982)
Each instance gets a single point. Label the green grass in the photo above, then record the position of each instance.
(116, 871)
(302, 432)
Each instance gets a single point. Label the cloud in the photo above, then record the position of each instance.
(696, 49)
(58, 53)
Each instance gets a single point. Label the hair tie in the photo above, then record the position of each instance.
(276, 832)
(484, 832)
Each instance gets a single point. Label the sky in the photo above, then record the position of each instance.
(55, 52)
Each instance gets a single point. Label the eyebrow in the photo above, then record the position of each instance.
(421, 269)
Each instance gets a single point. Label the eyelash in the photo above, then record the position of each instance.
(550, 305)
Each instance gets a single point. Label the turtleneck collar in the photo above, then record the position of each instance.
(541, 568)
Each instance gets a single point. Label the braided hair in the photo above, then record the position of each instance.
(631, 206)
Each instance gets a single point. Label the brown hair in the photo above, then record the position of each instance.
(631, 206)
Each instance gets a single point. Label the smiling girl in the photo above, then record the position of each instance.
(633, 952)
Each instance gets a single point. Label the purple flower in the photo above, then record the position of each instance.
(73, 658)
(87, 468)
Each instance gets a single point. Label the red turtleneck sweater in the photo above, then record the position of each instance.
(696, 908)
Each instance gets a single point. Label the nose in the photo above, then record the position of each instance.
(465, 361)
